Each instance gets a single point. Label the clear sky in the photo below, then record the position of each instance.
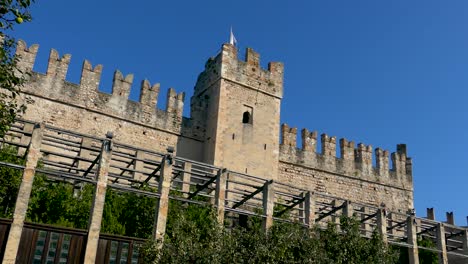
(377, 72)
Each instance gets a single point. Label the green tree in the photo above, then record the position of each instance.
(10, 180)
(58, 203)
(129, 214)
(193, 236)
(426, 256)
(12, 12)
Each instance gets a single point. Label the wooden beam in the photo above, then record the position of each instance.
(368, 217)
(289, 207)
(259, 190)
(331, 212)
(200, 188)
(91, 166)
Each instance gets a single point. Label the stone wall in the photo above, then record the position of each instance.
(352, 176)
(83, 108)
(228, 89)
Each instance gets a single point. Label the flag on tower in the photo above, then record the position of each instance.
(232, 39)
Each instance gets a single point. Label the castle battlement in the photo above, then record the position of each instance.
(247, 73)
(354, 161)
(54, 86)
(234, 123)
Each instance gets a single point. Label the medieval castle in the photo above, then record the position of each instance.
(232, 150)
(234, 123)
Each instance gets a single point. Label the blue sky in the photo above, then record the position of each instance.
(377, 72)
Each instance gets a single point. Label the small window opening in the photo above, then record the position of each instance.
(246, 119)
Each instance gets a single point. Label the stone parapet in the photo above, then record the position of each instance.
(53, 86)
(354, 162)
(248, 72)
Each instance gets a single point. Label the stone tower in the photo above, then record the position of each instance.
(236, 110)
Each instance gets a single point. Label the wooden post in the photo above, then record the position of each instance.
(24, 193)
(465, 240)
(25, 139)
(186, 175)
(162, 205)
(139, 165)
(391, 221)
(220, 195)
(94, 226)
(85, 152)
(268, 204)
(348, 209)
(441, 244)
(334, 218)
(382, 223)
(365, 226)
(412, 239)
(309, 210)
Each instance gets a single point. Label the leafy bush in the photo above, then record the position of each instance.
(193, 236)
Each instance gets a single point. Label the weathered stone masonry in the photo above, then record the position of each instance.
(234, 123)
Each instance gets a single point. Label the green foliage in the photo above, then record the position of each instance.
(58, 203)
(426, 256)
(193, 236)
(128, 214)
(12, 12)
(10, 83)
(65, 204)
(61, 203)
(10, 180)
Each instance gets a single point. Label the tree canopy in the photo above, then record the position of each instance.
(12, 13)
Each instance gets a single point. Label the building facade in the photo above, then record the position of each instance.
(234, 123)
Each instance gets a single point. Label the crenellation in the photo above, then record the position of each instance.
(175, 102)
(252, 58)
(347, 149)
(121, 85)
(355, 161)
(309, 140)
(57, 66)
(90, 78)
(347, 156)
(27, 56)
(328, 155)
(328, 145)
(363, 156)
(86, 95)
(149, 95)
(409, 169)
(289, 137)
(249, 72)
(399, 161)
(381, 157)
(276, 68)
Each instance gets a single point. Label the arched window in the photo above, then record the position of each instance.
(246, 118)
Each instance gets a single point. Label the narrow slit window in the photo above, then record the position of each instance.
(246, 118)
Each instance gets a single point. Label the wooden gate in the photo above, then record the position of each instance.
(59, 245)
